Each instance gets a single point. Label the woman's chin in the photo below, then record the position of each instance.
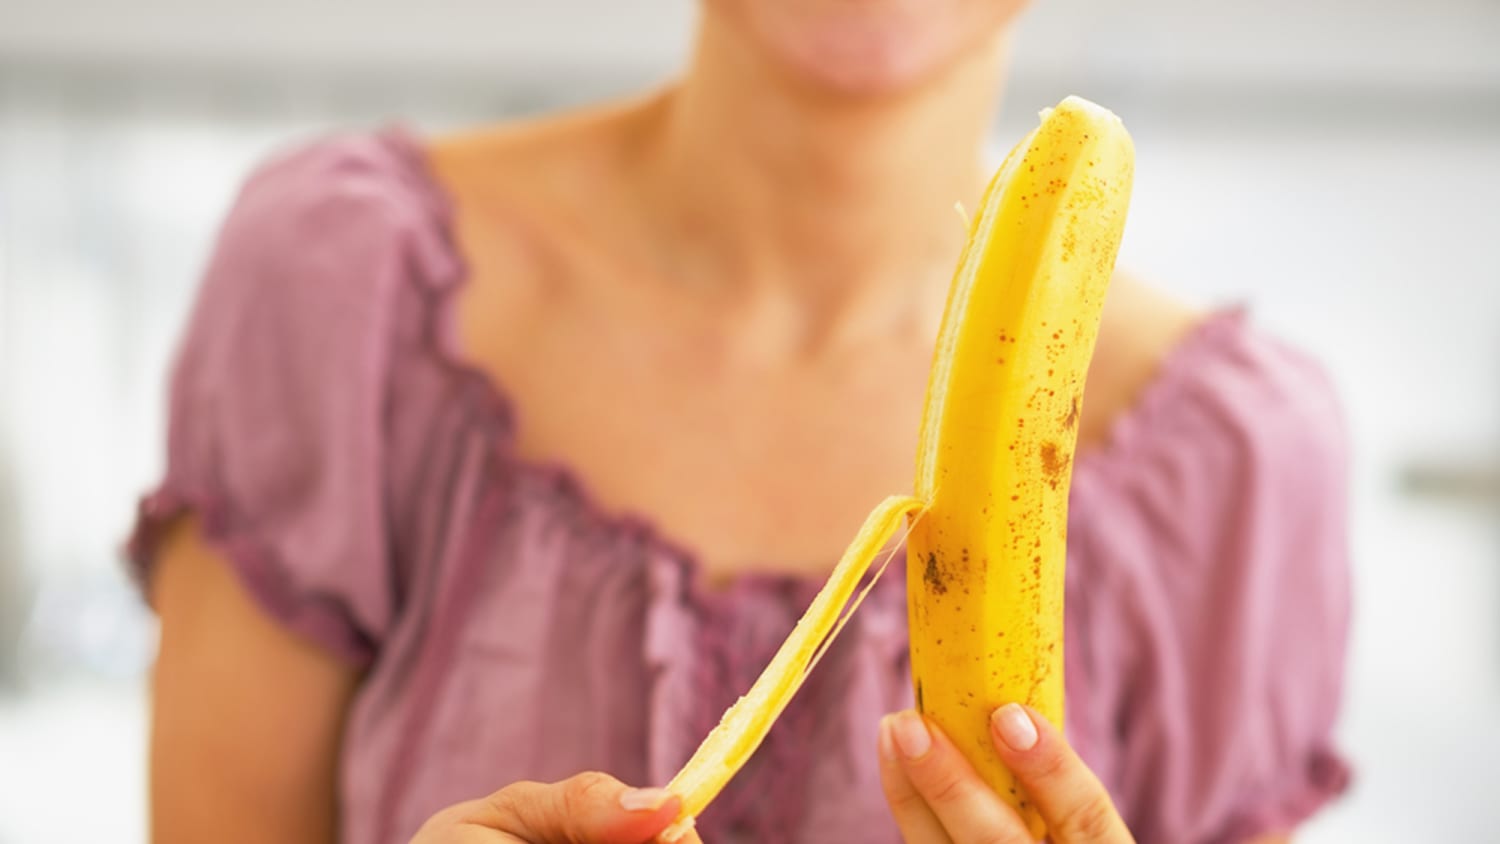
(867, 71)
(871, 48)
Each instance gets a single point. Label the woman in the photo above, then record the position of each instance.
(510, 455)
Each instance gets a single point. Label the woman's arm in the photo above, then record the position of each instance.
(246, 718)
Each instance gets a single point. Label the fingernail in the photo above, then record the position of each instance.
(1014, 726)
(887, 747)
(644, 799)
(911, 735)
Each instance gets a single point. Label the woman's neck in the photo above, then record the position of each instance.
(764, 189)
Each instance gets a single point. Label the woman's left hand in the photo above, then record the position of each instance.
(937, 797)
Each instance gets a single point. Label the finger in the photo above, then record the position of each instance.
(968, 810)
(461, 824)
(915, 819)
(591, 807)
(1072, 801)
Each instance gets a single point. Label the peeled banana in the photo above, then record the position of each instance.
(988, 522)
(985, 563)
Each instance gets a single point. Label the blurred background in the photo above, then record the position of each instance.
(1335, 164)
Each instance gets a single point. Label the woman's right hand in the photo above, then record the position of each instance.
(937, 798)
(590, 808)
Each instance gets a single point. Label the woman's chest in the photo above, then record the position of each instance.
(748, 458)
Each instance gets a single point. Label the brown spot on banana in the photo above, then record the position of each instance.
(932, 575)
(1055, 463)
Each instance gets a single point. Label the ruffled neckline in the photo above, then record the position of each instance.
(1129, 433)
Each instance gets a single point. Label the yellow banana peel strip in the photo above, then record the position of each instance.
(746, 723)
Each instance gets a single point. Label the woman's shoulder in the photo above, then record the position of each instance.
(329, 227)
(1140, 330)
(350, 185)
(339, 204)
(1213, 390)
(312, 272)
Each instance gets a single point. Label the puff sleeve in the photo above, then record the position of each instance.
(1220, 517)
(277, 437)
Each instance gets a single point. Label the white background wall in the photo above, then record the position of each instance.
(1334, 164)
(1387, 42)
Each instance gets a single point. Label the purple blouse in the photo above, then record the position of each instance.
(361, 480)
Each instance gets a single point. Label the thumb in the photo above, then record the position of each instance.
(590, 808)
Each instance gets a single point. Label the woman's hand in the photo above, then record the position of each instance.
(937, 797)
(590, 808)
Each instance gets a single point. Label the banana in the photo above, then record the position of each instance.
(988, 523)
(985, 562)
